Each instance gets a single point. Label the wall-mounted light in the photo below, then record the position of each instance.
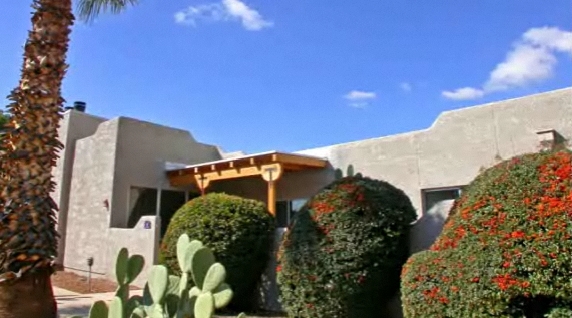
(89, 265)
(547, 139)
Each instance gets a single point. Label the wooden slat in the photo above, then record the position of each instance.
(244, 167)
(301, 160)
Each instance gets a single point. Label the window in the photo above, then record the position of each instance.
(433, 197)
(285, 211)
(171, 201)
(142, 201)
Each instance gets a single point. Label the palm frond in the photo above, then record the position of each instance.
(90, 9)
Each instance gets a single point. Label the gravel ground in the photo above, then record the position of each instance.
(79, 284)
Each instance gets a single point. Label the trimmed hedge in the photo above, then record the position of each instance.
(240, 233)
(506, 248)
(343, 253)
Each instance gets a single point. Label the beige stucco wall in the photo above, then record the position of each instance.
(113, 155)
(142, 150)
(449, 153)
(138, 240)
(74, 125)
(123, 152)
(92, 184)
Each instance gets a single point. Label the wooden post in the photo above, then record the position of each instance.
(271, 173)
(272, 197)
(202, 182)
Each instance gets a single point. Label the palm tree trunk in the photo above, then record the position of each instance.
(28, 237)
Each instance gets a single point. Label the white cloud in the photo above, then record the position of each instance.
(208, 12)
(406, 87)
(359, 99)
(360, 95)
(226, 10)
(523, 65)
(463, 93)
(532, 59)
(550, 37)
(359, 104)
(251, 19)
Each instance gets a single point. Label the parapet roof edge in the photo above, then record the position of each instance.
(443, 113)
(492, 104)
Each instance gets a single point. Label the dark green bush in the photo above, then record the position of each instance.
(343, 253)
(239, 231)
(506, 248)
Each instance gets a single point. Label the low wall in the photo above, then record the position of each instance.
(141, 239)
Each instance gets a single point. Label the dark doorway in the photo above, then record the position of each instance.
(171, 201)
(143, 201)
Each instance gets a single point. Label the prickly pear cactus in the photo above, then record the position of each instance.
(127, 268)
(196, 294)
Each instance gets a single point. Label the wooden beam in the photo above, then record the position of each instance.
(224, 174)
(181, 180)
(272, 172)
(244, 167)
(301, 161)
(202, 182)
(272, 197)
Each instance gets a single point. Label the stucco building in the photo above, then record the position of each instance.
(121, 179)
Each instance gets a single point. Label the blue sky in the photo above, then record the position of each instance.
(257, 75)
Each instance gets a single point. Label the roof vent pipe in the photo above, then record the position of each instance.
(79, 106)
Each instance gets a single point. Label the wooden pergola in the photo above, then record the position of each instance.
(269, 165)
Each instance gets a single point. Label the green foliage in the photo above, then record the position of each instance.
(239, 231)
(89, 9)
(169, 296)
(3, 120)
(127, 268)
(343, 253)
(506, 248)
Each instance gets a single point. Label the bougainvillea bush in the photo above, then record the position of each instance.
(240, 233)
(343, 253)
(506, 248)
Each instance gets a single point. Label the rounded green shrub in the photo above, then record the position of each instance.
(506, 247)
(240, 233)
(343, 253)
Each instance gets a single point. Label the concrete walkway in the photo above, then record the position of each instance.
(71, 304)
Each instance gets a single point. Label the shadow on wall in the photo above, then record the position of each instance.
(268, 290)
(426, 230)
(350, 172)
